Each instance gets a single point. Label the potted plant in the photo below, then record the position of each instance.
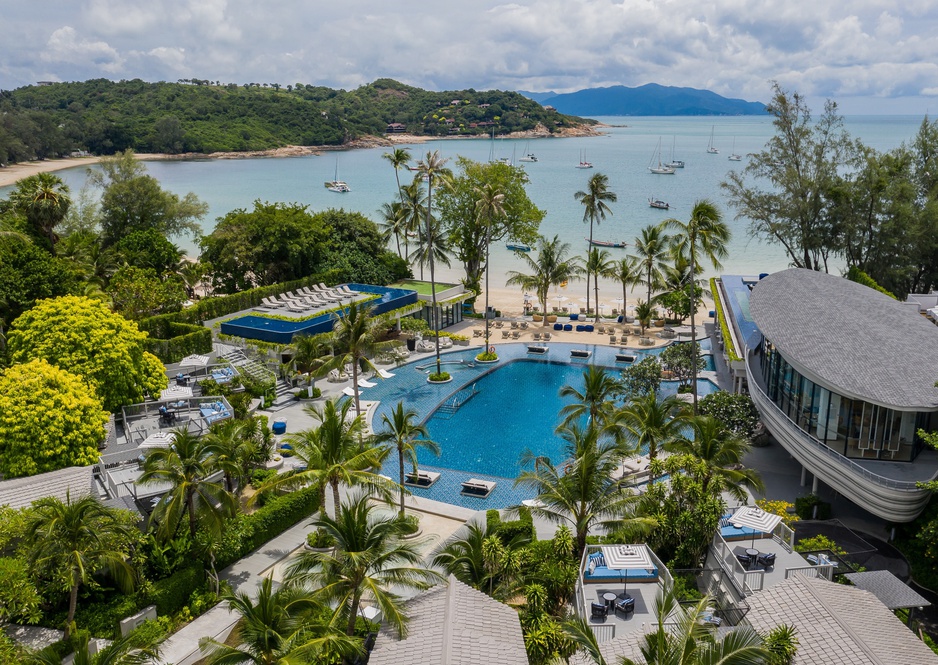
(319, 541)
(487, 356)
(411, 328)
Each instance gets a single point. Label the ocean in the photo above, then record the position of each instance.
(623, 153)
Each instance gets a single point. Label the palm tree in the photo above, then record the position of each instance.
(596, 401)
(598, 263)
(434, 167)
(398, 158)
(44, 200)
(72, 540)
(234, 449)
(406, 436)
(431, 247)
(722, 453)
(490, 205)
(644, 312)
(584, 492)
(626, 272)
(552, 267)
(707, 233)
(279, 627)
(415, 205)
(652, 249)
(652, 423)
(370, 561)
(357, 334)
(126, 650)
(394, 221)
(311, 355)
(333, 454)
(595, 208)
(186, 466)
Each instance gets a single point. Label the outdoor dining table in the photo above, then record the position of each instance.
(753, 554)
(610, 599)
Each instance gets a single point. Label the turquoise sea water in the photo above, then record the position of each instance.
(622, 153)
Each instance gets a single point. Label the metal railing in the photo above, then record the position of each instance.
(745, 581)
(763, 402)
(784, 536)
(824, 571)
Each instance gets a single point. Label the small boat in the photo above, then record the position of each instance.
(661, 169)
(674, 163)
(607, 243)
(583, 163)
(733, 156)
(518, 247)
(528, 156)
(710, 149)
(336, 185)
(658, 203)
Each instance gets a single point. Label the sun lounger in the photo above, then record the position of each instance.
(547, 337)
(625, 358)
(516, 334)
(269, 303)
(506, 334)
(580, 353)
(295, 307)
(384, 374)
(362, 383)
(538, 349)
(537, 337)
(335, 376)
(612, 339)
(346, 290)
(421, 478)
(477, 488)
(478, 332)
(350, 391)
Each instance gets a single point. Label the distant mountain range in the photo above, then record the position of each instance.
(649, 99)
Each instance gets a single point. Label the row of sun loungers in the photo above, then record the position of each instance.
(474, 487)
(309, 298)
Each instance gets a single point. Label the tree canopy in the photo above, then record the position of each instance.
(82, 336)
(29, 273)
(51, 420)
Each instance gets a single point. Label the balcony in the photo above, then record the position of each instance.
(888, 490)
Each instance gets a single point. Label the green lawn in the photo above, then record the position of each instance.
(422, 288)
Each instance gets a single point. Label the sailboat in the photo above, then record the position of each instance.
(733, 156)
(528, 155)
(583, 163)
(337, 185)
(710, 149)
(661, 169)
(674, 163)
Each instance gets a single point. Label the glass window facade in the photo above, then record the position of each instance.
(853, 428)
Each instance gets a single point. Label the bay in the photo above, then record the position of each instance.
(623, 153)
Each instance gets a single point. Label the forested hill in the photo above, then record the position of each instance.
(650, 99)
(103, 116)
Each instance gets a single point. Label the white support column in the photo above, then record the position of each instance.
(814, 485)
(804, 475)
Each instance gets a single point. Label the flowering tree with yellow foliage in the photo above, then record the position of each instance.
(84, 337)
(49, 419)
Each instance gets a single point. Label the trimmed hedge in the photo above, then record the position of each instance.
(171, 341)
(508, 531)
(724, 325)
(172, 594)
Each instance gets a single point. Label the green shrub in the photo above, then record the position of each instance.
(854, 274)
(260, 476)
(173, 593)
(171, 340)
(522, 528)
(728, 345)
(685, 587)
(804, 507)
(319, 539)
(819, 543)
(101, 619)
(485, 356)
(442, 376)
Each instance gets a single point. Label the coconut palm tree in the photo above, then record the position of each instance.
(311, 356)
(468, 555)
(595, 209)
(433, 166)
(490, 205)
(73, 540)
(722, 453)
(596, 401)
(626, 272)
(652, 251)
(371, 561)
(584, 492)
(433, 246)
(356, 334)
(125, 650)
(394, 220)
(334, 454)
(404, 435)
(598, 263)
(704, 235)
(552, 267)
(414, 201)
(44, 200)
(398, 159)
(235, 451)
(186, 466)
(651, 423)
(279, 627)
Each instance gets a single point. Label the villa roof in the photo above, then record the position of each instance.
(849, 338)
(837, 624)
(453, 624)
(20, 492)
(891, 591)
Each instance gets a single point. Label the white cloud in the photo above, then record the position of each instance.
(867, 48)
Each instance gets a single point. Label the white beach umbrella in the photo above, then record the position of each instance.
(158, 440)
(175, 392)
(626, 558)
(755, 518)
(195, 360)
(618, 301)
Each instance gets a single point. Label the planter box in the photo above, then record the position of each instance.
(460, 342)
(551, 318)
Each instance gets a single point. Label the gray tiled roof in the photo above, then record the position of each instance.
(453, 624)
(855, 340)
(20, 492)
(837, 624)
(891, 591)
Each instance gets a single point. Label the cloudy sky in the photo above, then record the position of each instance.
(871, 56)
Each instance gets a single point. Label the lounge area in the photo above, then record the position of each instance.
(477, 488)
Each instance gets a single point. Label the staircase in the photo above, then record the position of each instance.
(246, 366)
(447, 409)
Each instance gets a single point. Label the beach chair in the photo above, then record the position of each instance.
(478, 332)
(347, 291)
(516, 334)
(295, 306)
(565, 310)
(612, 339)
(624, 340)
(537, 337)
(514, 324)
(547, 337)
(506, 334)
(270, 304)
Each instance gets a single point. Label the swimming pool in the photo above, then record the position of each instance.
(515, 408)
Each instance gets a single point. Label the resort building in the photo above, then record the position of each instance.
(844, 378)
